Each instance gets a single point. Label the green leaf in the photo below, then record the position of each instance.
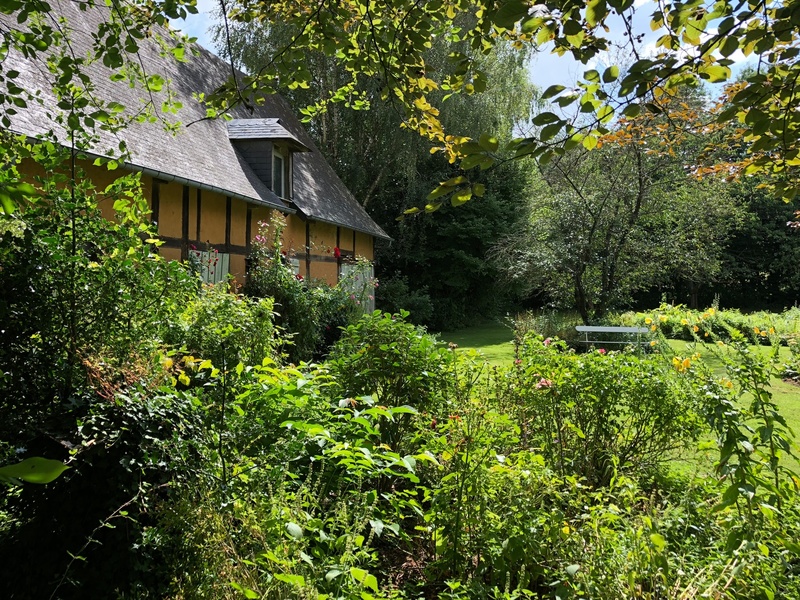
(489, 143)
(596, 11)
(34, 470)
(294, 530)
(553, 90)
(295, 580)
(658, 541)
(545, 118)
(632, 110)
(715, 73)
(605, 114)
(550, 132)
(461, 196)
(7, 203)
(591, 75)
(611, 74)
(510, 13)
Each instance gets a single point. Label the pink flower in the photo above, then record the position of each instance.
(548, 341)
(601, 351)
(518, 361)
(543, 383)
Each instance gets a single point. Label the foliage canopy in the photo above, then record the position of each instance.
(387, 43)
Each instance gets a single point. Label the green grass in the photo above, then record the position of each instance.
(493, 340)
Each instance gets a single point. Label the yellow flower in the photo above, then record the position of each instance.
(756, 329)
(662, 318)
(167, 363)
(711, 311)
(706, 315)
(720, 343)
(695, 329)
(686, 363)
(648, 320)
(652, 328)
(772, 331)
(653, 343)
(705, 334)
(684, 322)
(727, 383)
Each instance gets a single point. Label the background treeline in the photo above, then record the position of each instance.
(635, 222)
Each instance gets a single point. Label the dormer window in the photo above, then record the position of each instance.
(268, 148)
(278, 169)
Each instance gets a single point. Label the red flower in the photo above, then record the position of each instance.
(337, 253)
(602, 351)
(298, 277)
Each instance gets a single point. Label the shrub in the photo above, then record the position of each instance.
(396, 363)
(310, 314)
(595, 413)
(84, 301)
(225, 328)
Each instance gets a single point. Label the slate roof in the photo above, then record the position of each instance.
(201, 153)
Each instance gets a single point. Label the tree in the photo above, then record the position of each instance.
(437, 268)
(622, 218)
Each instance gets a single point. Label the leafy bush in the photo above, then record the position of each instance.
(90, 526)
(595, 413)
(678, 322)
(85, 302)
(310, 315)
(225, 328)
(395, 295)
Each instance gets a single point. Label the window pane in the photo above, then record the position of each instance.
(277, 175)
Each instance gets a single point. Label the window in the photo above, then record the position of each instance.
(277, 173)
(212, 266)
(358, 277)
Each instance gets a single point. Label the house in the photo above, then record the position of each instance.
(211, 183)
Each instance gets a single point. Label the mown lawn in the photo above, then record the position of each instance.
(492, 339)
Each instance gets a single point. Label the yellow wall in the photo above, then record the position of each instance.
(239, 223)
(364, 246)
(323, 236)
(327, 271)
(323, 239)
(294, 236)
(170, 253)
(170, 212)
(212, 219)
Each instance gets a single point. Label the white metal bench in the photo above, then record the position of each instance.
(596, 330)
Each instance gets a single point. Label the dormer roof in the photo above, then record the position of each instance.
(264, 129)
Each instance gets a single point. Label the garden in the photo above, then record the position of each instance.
(204, 444)
(163, 438)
